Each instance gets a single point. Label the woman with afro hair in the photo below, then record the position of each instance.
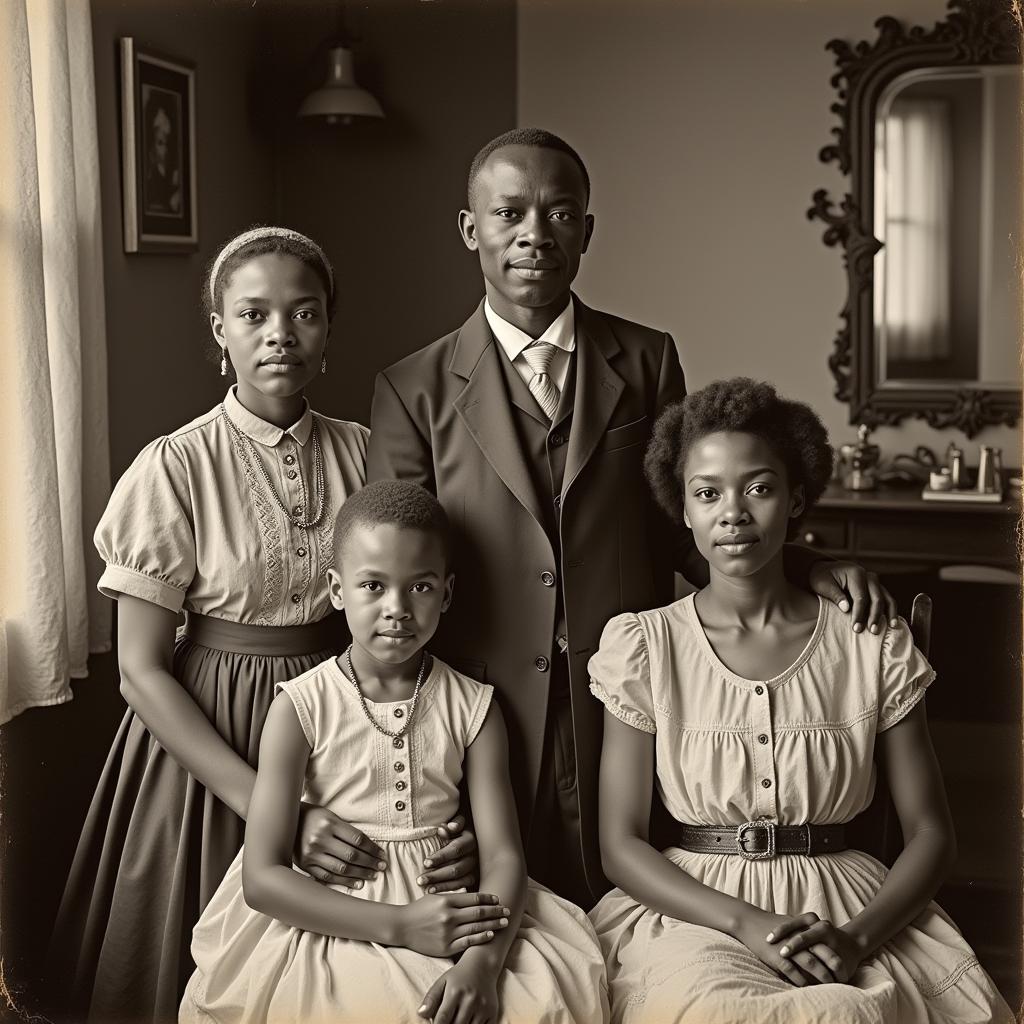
(759, 712)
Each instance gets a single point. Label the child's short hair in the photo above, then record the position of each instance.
(744, 406)
(524, 137)
(396, 502)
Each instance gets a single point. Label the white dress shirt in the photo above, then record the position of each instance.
(561, 333)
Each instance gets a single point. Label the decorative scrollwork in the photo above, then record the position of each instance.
(971, 410)
(974, 32)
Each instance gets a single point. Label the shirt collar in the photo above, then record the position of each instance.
(561, 332)
(262, 431)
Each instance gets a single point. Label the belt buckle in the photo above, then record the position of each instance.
(748, 826)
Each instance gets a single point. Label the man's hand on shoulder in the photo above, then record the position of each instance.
(857, 591)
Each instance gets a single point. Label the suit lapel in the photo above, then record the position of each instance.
(598, 388)
(483, 407)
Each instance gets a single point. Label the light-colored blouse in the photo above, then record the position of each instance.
(192, 526)
(796, 748)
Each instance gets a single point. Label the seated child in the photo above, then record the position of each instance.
(381, 736)
(761, 713)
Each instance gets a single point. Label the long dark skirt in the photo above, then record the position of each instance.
(156, 842)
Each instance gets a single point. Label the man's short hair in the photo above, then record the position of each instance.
(524, 137)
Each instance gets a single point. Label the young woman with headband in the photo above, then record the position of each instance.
(228, 519)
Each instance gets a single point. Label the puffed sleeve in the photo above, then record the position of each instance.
(146, 535)
(905, 675)
(620, 675)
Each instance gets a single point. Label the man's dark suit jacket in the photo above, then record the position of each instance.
(441, 418)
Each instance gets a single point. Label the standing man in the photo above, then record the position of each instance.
(530, 423)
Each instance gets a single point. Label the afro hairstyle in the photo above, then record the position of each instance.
(743, 406)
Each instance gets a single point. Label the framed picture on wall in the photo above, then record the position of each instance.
(158, 151)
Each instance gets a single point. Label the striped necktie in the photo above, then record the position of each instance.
(539, 356)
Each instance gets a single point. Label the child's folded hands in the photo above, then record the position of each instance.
(465, 994)
(449, 923)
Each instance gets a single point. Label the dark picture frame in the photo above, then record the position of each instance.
(158, 151)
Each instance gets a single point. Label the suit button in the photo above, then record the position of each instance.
(541, 664)
(399, 712)
(400, 784)
(398, 743)
(399, 767)
(763, 738)
(766, 783)
(399, 805)
(558, 501)
(759, 690)
(557, 439)
(547, 578)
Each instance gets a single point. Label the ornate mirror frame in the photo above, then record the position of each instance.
(974, 32)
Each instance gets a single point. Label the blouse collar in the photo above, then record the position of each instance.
(262, 431)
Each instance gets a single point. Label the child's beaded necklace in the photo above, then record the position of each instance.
(362, 700)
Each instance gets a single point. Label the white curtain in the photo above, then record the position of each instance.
(916, 181)
(54, 462)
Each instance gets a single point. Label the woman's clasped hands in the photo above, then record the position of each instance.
(804, 949)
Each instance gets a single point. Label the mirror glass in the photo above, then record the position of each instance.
(948, 210)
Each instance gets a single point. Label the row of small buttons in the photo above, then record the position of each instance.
(399, 766)
(762, 738)
(398, 742)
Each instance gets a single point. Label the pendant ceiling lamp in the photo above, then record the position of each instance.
(340, 98)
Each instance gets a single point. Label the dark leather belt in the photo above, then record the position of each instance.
(763, 840)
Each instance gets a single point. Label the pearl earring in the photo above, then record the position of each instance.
(224, 364)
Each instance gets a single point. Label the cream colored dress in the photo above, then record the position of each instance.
(797, 748)
(252, 968)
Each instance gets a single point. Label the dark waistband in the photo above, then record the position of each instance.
(266, 641)
(763, 840)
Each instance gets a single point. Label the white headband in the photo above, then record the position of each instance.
(254, 235)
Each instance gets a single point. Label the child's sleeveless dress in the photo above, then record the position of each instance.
(190, 527)
(252, 968)
(797, 748)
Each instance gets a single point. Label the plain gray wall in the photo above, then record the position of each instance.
(700, 123)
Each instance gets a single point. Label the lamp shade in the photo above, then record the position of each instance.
(340, 98)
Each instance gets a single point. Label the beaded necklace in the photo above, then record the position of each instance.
(252, 457)
(362, 700)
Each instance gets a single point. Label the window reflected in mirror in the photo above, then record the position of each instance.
(948, 212)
